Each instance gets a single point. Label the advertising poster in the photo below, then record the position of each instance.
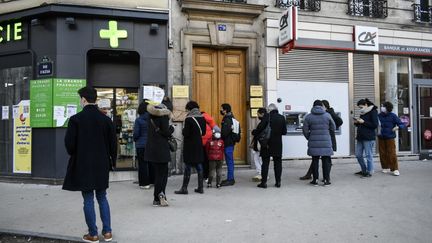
(22, 138)
(41, 96)
(65, 97)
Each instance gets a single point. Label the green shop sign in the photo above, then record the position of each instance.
(66, 101)
(41, 98)
(113, 34)
(53, 101)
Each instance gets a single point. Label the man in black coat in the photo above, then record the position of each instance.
(91, 143)
(274, 147)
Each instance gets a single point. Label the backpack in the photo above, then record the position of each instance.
(236, 131)
(264, 136)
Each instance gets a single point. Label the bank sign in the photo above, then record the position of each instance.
(366, 38)
(288, 26)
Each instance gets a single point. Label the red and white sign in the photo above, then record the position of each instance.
(288, 26)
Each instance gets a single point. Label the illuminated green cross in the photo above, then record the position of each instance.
(113, 34)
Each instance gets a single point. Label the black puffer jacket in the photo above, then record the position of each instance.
(366, 131)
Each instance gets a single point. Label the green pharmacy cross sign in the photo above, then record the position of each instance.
(113, 34)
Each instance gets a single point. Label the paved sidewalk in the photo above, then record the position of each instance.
(383, 208)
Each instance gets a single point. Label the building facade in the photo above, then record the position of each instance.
(49, 50)
(323, 62)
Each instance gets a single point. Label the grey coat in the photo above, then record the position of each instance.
(317, 127)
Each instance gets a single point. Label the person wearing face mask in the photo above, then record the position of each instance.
(366, 126)
(263, 118)
(215, 153)
(389, 124)
(227, 137)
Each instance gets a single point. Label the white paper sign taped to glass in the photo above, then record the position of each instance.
(5, 112)
(154, 94)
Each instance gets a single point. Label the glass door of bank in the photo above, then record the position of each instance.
(121, 104)
(424, 94)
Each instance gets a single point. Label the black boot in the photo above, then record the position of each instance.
(218, 181)
(200, 183)
(183, 189)
(308, 175)
(209, 182)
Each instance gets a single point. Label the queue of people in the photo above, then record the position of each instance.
(91, 143)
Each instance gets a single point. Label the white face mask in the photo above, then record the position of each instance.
(383, 109)
(217, 135)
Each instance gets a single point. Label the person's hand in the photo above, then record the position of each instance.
(361, 121)
(395, 129)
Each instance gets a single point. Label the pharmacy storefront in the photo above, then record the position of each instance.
(49, 52)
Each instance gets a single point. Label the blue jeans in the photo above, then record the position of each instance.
(198, 167)
(365, 147)
(229, 158)
(90, 214)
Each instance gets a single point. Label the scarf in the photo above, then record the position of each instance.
(194, 113)
(366, 110)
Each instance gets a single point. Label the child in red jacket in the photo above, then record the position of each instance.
(215, 153)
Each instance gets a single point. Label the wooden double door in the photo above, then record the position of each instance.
(219, 76)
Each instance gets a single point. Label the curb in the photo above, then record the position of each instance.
(43, 235)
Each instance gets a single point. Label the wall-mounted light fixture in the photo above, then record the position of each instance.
(154, 28)
(70, 21)
(35, 22)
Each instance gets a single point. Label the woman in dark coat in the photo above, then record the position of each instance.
(145, 169)
(193, 154)
(274, 147)
(157, 149)
(366, 135)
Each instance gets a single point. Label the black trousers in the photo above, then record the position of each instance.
(277, 161)
(310, 171)
(326, 167)
(145, 169)
(161, 179)
(205, 164)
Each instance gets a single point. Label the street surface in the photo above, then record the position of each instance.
(383, 208)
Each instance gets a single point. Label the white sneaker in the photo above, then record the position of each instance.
(145, 187)
(385, 171)
(396, 173)
(256, 178)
